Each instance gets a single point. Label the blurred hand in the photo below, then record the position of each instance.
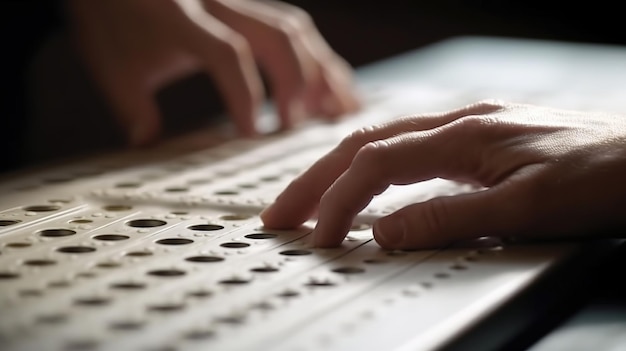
(548, 172)
(135, 47)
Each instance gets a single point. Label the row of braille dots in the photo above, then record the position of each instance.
(184, 188)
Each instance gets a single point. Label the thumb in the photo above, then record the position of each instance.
(497, 211)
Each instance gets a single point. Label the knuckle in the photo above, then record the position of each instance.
(359, 137)
(432, 221)
(371, 156)
(234, 46)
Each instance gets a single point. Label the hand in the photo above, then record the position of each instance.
(134, 47)
(547, 172)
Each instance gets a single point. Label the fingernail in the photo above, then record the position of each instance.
(391, 231)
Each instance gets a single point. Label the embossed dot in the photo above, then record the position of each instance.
(128, 185)
(236, 217)
(81, 221)
(92, 301)
(264, 269)
(167, 272)
(174, 241)
(261, 236)
(146, 223)
(41, 208)
(204, 259)
(349, 270)
(126, 325)
(18, 245)
(8, 275)
(139, 253)
(234, 245)
(8, 222)
(295, 252)
(195, 335)
(235, 281)
(128, 286)
(205, 227)
(111, 237)
(166, 307)
(55, 233)
(53, 318)
(76, 249)
(39, 262)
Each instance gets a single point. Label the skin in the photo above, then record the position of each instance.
(135, 47)
(547, 173)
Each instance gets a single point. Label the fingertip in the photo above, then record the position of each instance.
(390, 232)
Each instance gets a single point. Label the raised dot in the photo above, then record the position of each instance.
(127, 325)
(261, 236)
(128, 286)
(8, 222)
(166, 307)
(442, 275)
(234, 245)
(92, 301)
(111, 237)
(108, 265)
(76, 249)
(205, 227)
(174, 241)
(59, 284)
(167, 272)
(204, 259)
(349, 270)
(8, 275)
(146, 223)
(176, 189)
(265, 269)
(30, 293)
(39, 262)
(234, 281)
(319, 283)
(201, 294)
(226, 192)
(288, 294)
(139, 253)
(55, 233)
(236, 217)
(127, 185)
(295, 252)
(41, 208)
(374, 261)
(233, 319)
(81, 221)
(458, 267)
(18, 245)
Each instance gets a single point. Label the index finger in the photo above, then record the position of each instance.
(299, 201)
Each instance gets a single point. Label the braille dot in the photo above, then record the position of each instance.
(41, 208)
(458, 267)
(111, 237)
(227, 192)
(234, 281)
(442, 275)
(174, 241)
(201, 294)
(295, 252)
(234, 245)
(205, 227)
(92, 301)
(374, 261)
(179, 213)
(236, 319)
(39, 262)
(59, 284)
(128, 286)
(18, 245)
(167, 272)
(349, 270)
(81, 221)
(8, 222)
(266, 269)
(288, 294)
(128, 185)
(108, 265)
(76, 249)
(236, 217)
(204, 259)
(139, 253)
(146, 223)
(166, 307)
(55, 233)
(128, 325)
(8, 275)
(261, 236)
(319, 283)
(176, 189)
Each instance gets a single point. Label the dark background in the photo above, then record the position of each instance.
(51, 110)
